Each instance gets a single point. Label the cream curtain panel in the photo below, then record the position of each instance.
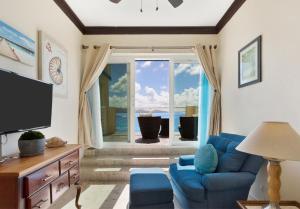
(207, 57)
(95, 62)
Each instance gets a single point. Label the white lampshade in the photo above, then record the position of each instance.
(275, 140)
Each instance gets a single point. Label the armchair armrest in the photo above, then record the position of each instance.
(227, 181)
(186, 160)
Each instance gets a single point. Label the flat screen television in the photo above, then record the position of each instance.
(25, 104)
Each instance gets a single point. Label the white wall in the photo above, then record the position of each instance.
(28, 17)
(277, 97)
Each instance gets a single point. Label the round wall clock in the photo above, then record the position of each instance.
(55, 70)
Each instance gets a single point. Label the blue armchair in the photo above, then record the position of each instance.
(231, 181)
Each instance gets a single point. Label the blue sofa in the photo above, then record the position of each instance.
(231, 181)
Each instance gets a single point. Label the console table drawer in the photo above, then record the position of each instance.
(40, 178)
(36, 182)
(67, 162)
(39, 200)
(74, 174)
(59, 186)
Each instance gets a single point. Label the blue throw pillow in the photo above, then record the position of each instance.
(206, 159)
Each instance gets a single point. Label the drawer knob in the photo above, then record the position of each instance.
(69, 163)
(40, 203)
(60, 186)
(74, 176)
(47, 178)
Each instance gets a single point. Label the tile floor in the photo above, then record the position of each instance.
(96, 195)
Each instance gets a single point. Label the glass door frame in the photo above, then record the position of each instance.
(124, 60)
(181, 60)
(129, 59)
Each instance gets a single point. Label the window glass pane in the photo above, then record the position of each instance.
(186, 95)
(151, 89)
(114, 102)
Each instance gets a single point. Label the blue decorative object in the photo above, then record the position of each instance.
(206, 159)
(204, 109)
(220, 189)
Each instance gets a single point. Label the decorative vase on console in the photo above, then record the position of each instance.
(31, 143)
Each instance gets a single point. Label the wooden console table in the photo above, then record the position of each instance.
(254, 204)
(36, 182)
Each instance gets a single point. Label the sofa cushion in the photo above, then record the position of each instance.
(206, 159)
(253, 164)
(188, 180)
(149, 186)
(227, 181)
(233, 137)
(232, 160)
(186, 160)
(219, 143)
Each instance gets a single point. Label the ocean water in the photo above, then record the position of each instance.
(122, 121)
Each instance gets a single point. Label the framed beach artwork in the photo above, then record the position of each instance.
(16, 46)
(53, 64)
(250, 63)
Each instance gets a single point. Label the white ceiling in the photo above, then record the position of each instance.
(127, 12)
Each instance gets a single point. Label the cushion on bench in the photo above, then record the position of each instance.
(149, 187)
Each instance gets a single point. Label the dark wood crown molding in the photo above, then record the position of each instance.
(99, 30)
(229, 14)
(150, 30)
(71, 14)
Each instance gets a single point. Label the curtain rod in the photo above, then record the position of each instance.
(149, 47)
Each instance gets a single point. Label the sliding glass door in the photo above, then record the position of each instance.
(114, 91)
(164, 86)
(186, 100)
(151, 94)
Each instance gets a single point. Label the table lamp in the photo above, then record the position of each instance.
(276, 142)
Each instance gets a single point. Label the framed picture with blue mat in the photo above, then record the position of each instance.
(250, 58)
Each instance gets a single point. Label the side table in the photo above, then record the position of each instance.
(254, 204)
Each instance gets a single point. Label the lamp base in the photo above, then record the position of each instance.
(272, 206)
(274, 171)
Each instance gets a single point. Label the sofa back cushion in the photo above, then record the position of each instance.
(219, 143)
(232, 160)
(233, 137)
(245, 162)
(253, 164)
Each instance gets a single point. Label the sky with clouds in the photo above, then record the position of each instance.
(152, 85)
(152, 82)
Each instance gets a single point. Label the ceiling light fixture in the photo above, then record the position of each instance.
(174, 3)
(115, 1)
(141, 6)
